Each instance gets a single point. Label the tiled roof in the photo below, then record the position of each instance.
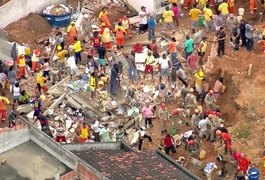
(119, 165)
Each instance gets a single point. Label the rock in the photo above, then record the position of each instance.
(105, 118)
(202, 154)
(3, 162)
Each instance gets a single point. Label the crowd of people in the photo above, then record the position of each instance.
(197, 107)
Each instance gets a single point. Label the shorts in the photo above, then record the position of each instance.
(60, 138)
(164, 72)
(102, 62)
(36, 113)
(173, 75)
(148, 69)
(201, 53)
(171, 148)
(16, 98)
(143, 27)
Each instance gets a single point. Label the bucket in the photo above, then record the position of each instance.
(100, 85)
(241, 11)
(105, 79)
(59, 21)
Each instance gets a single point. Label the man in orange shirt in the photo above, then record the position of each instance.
(104, 17)
(125, 22)
(252, 6)
(120, 37)
(187, 3)
(21, 63)
(173, 48)
(72, 32)
(231, 6)
(194, 14)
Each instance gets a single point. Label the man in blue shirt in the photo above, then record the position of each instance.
(189, 44)
(151, 27)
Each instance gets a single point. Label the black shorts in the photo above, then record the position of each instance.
(143, 27)
(36, 113)
(201, 53)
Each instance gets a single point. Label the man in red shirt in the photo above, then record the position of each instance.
(153, 47)
(169, 143)
(227, 140)
(243, 163)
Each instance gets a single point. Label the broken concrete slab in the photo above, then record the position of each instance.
(56, 103)
(25, 108)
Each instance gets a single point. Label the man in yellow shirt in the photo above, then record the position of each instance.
(194, 14)
(223, 8)
(208, 18)
(168, 20)
(77, 49)
(61, 60)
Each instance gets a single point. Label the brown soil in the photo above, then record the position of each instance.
(2, 2)
(27, 29)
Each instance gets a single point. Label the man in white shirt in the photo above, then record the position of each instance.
(209, 169)
(203, 127)
(96, 130)
(143, 20)
(164, 67)
(72, 65)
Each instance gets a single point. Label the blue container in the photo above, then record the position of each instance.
(59, 21)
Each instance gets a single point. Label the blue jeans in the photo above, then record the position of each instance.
(132, 70)
(77, 57)
(249, 43)
(173, 56)
(151, 34)
(187, 54)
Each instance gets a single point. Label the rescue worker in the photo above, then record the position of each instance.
(21, 63)
(105, 36)
(162, 117)
(104, 17)
(120, 35)
(35, 60)
(125, 22)
(243, 163)
(227, 140)
(40, 79)
(3, 107)
(210, 100)
(72, 32)
(201, 49)
(61, 60)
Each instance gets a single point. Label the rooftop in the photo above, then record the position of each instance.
(121, 164)
(30, 161)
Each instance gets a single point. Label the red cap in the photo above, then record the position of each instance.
(190, 142)
(163, 105)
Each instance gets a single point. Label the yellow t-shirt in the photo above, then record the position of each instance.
(168, 16)
(40, 80)
(84, 133)
(92, 83)
(223, 8)
(202, 3)
(208, 13)
(150, 60)
(61, 55)
(5, 99)
(77, 46)
(204, 45)
(194, 14)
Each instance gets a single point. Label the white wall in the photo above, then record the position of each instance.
(136, 4)
(10, 138)
(17, 9)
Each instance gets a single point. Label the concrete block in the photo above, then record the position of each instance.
(25, 108)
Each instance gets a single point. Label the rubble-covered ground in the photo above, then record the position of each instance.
(242, 103)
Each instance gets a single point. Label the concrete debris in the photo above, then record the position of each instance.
(25, 108)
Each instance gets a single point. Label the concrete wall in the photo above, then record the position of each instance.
(5, 49)
(136, 4)
(17, 9)
(10, 138)
(94, 146)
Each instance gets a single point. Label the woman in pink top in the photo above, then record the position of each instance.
(147, 114)
(46, 68)
(175, 10)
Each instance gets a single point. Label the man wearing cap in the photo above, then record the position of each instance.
(103, 16)
(193, 148)
(105, 36)
(195, 118)
(227, 140)
(35, 60)
(210, 100)
(72, 33)
(61, 60)
(190, 100)
(163, 117)
(21, 63)
(205, 126)
(143, 20)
